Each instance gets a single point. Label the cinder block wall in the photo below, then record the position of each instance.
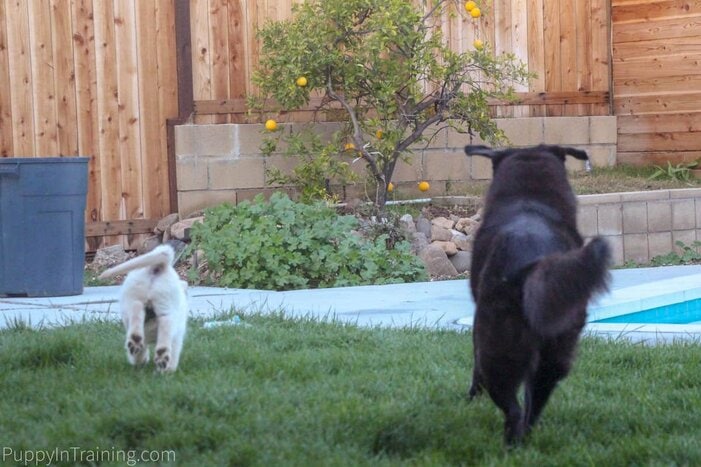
(217, 163)
(642, 225)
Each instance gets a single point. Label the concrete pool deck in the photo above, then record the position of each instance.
(442, 304)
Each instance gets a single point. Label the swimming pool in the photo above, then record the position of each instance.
(653, 312)
(688, 312)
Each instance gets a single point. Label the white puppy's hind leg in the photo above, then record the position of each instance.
(164, 356)
(134, 315)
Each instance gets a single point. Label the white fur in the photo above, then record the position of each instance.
(153, 283)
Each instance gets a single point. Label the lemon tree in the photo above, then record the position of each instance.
(388, 67)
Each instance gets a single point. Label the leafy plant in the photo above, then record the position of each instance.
(318, 165)
(689, 254)
(386, 64)
(680, 172)
(280, 244)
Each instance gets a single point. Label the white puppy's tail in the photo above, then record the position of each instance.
(158, 259)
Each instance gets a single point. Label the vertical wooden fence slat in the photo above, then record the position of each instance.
(87, 124)
(129, 128)
(237, 50)
(568, 50)
(553, 62)
(107, 97)
(219, 53)
(536, 51)
(601, 47)
(152, 169)
(167, 95)
(201, 53)
(584, 51)
(64, 78)
(519, 41)
(22, 102)
(44, 92)
(6, 124)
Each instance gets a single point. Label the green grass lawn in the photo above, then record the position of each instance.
(277, 391)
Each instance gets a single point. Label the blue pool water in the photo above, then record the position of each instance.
(688, 312)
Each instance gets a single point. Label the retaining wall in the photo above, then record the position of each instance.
(223, 162)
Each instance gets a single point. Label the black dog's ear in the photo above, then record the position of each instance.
(562, 151)
(481, 150)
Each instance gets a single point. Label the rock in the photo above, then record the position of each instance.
(110, 256)
(437, 262)
(406, 222)
(165, 223)
(467, 225)
(178, 246)
(418, 242)
(148, 244)
(461, 261)
(449, 247)
(181, 230)
(478, 217)
(440, 234)
(443, 222)
(423, 225)
(462, 242)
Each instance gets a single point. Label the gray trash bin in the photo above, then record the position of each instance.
(42, 225)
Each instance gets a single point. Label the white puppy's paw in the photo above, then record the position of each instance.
(137, 352)
(162, 359)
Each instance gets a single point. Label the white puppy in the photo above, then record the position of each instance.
(154, 307)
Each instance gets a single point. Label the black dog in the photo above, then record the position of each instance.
(531, 279)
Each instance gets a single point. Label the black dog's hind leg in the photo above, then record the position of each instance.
(505, 398)
(554, 365)
(476, 387)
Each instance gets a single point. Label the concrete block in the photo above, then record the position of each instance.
(285, 164)
(446, 165)
(655, 195)
(527, 131)
(457, 140)
(205, 140)
(227, 173)
(604, 198)
(603, 130)
(587, 221)
(635, 248)
(659, 244)
(602, 156)
(687, 237)
(683, 214)
(408, 171)
(616, 244)
(191, 173)
(480, 168)
(610, 219)
(659, 216)
(250, 137)
(566, 130)
(191, 201)
(635, 217)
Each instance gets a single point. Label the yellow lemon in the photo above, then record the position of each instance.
(424, 186)
(378, 134)
(475, 12)
(271, 125)
(349, 146)
(469, 6)
(479, 45)
(301, 81)
(390, 187)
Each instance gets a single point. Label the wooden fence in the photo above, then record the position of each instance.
(565, 43)
(657, 80)
(101, 78)
(93, 78)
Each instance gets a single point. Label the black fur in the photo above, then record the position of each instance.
(531, 279)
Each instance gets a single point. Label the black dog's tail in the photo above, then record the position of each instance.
(557, 289)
